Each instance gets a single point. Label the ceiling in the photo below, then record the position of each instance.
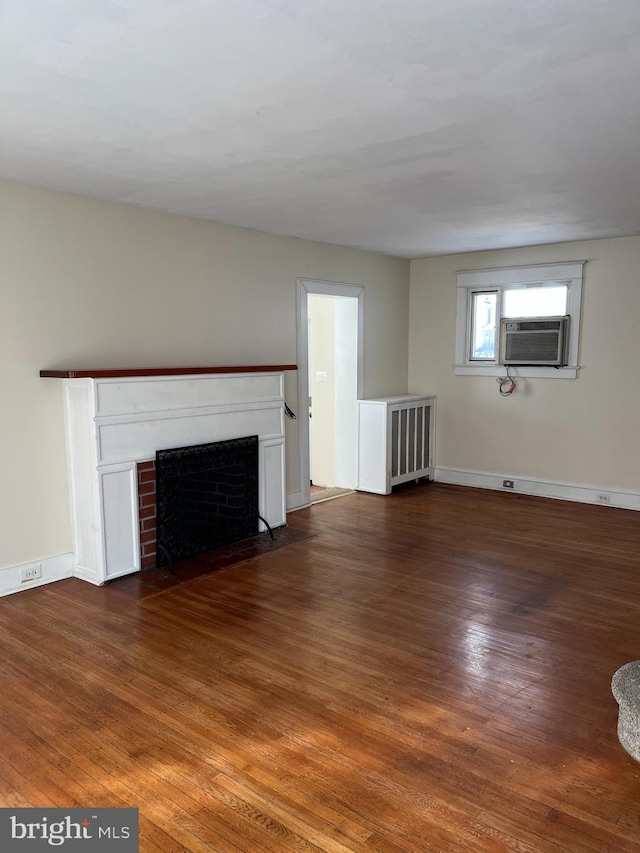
(411, 127)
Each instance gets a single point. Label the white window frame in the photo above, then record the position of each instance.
(473, 281)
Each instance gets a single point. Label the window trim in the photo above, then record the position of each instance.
(473, 281)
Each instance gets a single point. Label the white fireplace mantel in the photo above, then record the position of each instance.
(115, 421)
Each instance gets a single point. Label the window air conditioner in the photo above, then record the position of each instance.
(534, 340)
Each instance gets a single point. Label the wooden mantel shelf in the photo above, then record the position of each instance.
(164, 371)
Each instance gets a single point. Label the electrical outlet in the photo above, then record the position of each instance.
(603, 498)
(31, 574)
(508, 484)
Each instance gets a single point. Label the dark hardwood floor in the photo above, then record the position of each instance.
(429, 672)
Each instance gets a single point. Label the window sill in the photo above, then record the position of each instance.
(570, 372)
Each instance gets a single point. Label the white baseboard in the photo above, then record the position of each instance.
(91, 575)
(295, 500)
(53, 569)
(621, 498)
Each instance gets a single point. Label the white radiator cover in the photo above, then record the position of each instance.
(114, 423)
(395, 441)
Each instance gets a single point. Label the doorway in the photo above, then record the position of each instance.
(330, 383)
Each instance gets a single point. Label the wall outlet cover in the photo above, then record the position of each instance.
(31, 573)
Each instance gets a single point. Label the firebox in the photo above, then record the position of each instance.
(207, 496)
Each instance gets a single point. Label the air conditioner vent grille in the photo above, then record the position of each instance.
(540, 346)
(538, 325)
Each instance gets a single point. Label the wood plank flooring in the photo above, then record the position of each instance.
(429, 672)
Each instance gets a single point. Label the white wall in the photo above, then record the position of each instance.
(91, 284)
(346, 402)
(322, 358)
(582, 431)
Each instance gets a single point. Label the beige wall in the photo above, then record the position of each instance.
(322, 357)
(91, 284)
(582, 431)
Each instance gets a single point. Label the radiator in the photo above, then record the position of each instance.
(395, 441)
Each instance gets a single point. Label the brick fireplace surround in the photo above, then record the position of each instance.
(146, 476)
(116, 420)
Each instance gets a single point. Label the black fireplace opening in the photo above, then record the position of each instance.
(206, 497)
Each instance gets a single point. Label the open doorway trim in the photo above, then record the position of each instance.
(323, 288)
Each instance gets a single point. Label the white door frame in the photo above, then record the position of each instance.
(324, 288)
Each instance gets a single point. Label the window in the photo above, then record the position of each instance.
(545, 300)
(487, 296)
(533, 300)
(483, 326)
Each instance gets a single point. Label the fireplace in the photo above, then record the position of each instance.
(206, 497)
(118, 420)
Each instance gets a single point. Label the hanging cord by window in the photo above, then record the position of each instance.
(506, 384)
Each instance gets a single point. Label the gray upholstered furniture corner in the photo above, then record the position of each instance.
(626, 689)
